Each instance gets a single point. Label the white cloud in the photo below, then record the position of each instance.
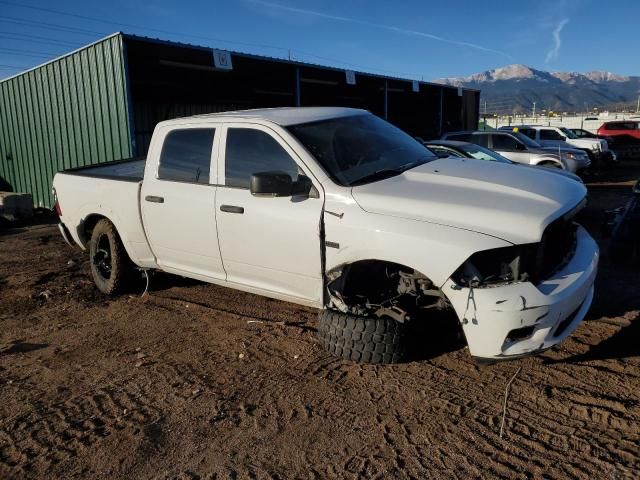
(554, 52)
(391, 28)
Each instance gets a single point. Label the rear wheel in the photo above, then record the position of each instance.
(111, 267)
(363, 339)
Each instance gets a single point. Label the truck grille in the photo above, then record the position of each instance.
(556, 247)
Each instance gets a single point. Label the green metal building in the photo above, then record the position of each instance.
(101, 102)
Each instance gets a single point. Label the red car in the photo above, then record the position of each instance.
(621, 129)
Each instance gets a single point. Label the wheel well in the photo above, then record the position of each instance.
(550, 162)
(88, 225)
(368, 287)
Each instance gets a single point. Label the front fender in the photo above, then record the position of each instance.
(434, 250)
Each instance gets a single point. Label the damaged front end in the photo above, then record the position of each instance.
(376, 288)
(524, 299)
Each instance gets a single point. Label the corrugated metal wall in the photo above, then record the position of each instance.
(67, 113)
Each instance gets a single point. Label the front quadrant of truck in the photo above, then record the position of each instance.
(337, 209)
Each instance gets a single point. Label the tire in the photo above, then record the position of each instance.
(363, 339)
(111, 268)
(550, 165)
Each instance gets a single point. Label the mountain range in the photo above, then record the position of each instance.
(514, 88)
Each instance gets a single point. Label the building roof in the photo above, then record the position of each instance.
(285, 116)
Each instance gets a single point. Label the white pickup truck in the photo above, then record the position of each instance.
(337, 209)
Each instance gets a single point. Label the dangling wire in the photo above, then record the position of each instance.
(146, 288)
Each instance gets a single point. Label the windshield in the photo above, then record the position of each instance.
(526, 140)
(568, 133)
(361, 148)
(481, 153)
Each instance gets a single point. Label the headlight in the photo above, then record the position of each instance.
(498, 265)
(531, 262)
(568, 156)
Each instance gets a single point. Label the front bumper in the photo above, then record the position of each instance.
(522, 319)
(577, 164)
(64, 231)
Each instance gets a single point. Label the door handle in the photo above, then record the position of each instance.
(231, 209)
(154, 199)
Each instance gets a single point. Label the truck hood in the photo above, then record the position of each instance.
(501, 200)
(589, 143)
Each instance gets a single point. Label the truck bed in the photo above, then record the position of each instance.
(131, 170)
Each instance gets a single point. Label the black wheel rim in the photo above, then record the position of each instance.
(102, 256)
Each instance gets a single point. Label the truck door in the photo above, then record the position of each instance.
(267, 243)
(178, 200)
(549, 137)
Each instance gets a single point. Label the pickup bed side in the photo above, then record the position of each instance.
(110, 191)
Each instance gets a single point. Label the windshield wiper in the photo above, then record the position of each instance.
(388, 172)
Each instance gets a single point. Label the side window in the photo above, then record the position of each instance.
(504, 142)
(480, 139)
(546, 134)
(186, 155)
(443, 151)
(252, 151)
(529, 132)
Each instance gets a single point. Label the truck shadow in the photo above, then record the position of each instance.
(623, 344)
(436, 335)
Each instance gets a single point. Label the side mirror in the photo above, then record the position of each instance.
(520, 146)
(304, 187)
(271, 184)
(636, 188)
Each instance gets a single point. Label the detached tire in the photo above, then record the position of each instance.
(362, 339)
(111, 267)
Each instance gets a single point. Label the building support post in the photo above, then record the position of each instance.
(386, 100)
(441, 119)
(297, 86)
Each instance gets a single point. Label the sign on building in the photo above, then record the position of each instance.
(351, 77)
(222, 60)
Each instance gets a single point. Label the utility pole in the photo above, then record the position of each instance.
(485, 106)
(534, 109)
(638, 106)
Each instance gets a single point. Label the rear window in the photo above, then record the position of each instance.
(529, 132)
(460, 137)
(186, 155)
(621, 126)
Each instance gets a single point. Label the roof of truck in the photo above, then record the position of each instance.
(288, 115)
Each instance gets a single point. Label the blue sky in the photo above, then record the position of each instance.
(411, 38)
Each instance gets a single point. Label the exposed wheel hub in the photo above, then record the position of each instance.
(102, 257)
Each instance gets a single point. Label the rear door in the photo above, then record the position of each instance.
(271, 244)
(178, 200)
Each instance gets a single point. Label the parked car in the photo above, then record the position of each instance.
(562, 137)
(451, 148)
(624, 131)
(521, 149)
(337, 209)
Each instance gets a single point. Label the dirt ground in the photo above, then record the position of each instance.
(197, 381)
